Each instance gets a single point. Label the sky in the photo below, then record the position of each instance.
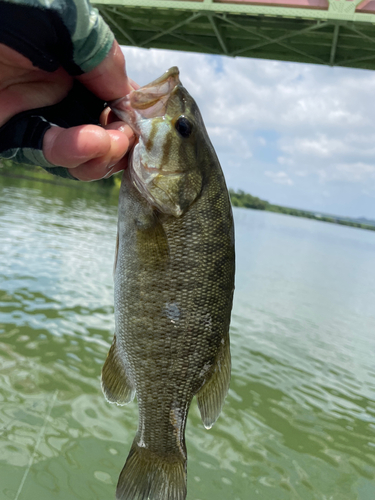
(297, 135)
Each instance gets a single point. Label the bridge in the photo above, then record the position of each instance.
(329, 32)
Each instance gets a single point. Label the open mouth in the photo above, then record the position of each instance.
(149, 101)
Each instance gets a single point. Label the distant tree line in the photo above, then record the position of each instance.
(245, 200)
(238, 198)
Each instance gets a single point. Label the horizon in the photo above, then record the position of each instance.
(316, 212)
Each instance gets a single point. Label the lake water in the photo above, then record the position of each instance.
(299, 421)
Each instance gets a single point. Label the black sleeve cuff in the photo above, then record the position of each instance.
(38, 34)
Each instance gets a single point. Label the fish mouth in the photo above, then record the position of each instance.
(151, 100)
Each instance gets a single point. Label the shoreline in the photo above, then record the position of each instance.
(238, 199)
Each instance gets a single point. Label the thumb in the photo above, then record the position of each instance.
(108, 80)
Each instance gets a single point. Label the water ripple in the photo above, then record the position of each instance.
(299, 420)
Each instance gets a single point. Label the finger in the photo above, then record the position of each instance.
(104, 117)
(73, 146)
(77, 145)
(109, 121)
(124, 128)
(108, 80)
(108, 116)
(89, 172)
(99, 168)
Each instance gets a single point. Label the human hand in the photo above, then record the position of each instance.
(89, 152)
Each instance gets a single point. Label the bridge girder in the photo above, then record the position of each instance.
(334, 32)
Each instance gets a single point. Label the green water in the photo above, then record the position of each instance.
(299, 421)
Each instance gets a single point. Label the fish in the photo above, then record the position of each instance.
(174, 283)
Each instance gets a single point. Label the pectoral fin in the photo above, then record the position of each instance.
(212, 394)
(116, 385)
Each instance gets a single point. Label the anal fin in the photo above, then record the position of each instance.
(116, 386)
(211, 396)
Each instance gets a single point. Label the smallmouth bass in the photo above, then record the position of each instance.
(174, 282)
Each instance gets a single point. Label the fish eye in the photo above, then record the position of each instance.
(183, 126)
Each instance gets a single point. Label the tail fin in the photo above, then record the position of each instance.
(149, 476)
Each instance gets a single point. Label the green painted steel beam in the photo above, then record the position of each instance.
(334, 44)
(111, 21)
(336, 36)
(257, 33)
(218, 33)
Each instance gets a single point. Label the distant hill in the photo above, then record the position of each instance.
(241, 199)
(361, 220)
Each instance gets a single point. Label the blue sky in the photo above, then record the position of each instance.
(294, 134)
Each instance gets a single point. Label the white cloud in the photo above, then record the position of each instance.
(261, 140)
(318, 146)
(301, 173)
(279, 177)
(354, 172)
(283, 160)
(231, 138)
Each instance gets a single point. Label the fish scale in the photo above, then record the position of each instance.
(174, 282)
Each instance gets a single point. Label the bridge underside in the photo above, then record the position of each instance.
(330, 35)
